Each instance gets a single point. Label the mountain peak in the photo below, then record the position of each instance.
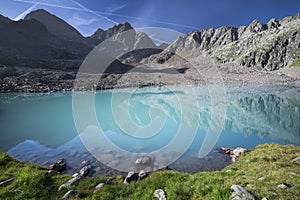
(55, 25)
(100, 35)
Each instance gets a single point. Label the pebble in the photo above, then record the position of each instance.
(261, 178)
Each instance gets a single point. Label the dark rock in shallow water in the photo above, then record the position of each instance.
(144, 160)
(58, 166)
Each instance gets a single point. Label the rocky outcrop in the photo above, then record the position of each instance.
(56, 26)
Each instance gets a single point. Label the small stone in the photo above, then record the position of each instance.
(69, 183)
(294, 174)
(265, 198)
(58, 166)
(5, 182)
(284, 185)
(76, 174)
(261, 178)
(144, 160)
(244, 176)
(84, 171)
(100, 185)
(296, 160)
(239, 193)
(69, 194)
(131, 176)
(160, 194)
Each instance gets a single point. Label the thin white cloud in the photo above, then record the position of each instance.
(93, 12)
(116, 8)
(101, 14)
(23, 14)
(76, 20)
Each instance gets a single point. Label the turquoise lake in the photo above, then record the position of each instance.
(41, 128)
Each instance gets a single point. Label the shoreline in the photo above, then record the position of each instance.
(40, 80)
(260, 171)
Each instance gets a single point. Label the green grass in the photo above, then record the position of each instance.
(295, 63)
(271, 161)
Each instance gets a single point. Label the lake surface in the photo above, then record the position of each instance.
(179, 127)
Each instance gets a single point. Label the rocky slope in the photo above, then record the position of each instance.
(271, 46)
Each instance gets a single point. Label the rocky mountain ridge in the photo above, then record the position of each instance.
(43, 53)
(270, 46)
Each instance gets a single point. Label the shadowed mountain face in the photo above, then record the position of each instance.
(43, 40)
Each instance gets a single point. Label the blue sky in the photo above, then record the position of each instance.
(180, 15)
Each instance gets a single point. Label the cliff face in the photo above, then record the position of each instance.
(271, 46)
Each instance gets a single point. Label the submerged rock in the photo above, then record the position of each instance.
(160, 194)
(240, 193)
(58, 166)
(69, 194)
(144, 160)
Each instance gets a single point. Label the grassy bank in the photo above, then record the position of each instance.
(271, 161)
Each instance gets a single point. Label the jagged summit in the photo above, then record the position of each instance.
(100, 35)
(269, 46)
